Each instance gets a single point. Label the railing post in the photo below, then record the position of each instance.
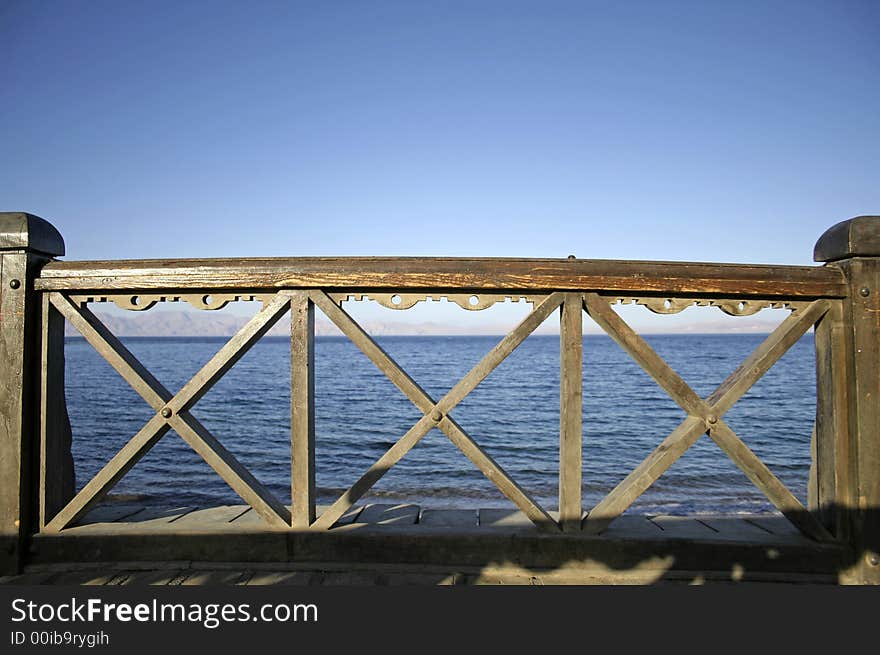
(832, 474)
(854, 247)
(570, 410)
(302, 410)
(26, 243)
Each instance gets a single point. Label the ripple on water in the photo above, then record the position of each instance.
(513, 415)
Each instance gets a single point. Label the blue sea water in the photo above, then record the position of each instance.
(513, 414)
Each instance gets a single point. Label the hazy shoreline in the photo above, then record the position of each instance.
(193, 324)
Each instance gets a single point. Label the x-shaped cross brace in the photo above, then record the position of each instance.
(436, 413)
(704, 416)
(172, 412)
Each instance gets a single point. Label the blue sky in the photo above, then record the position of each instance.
(703, 131)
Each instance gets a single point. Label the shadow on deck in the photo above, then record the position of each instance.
(405, 544)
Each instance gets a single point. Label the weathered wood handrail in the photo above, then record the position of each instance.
(354, 273)
(839, 299)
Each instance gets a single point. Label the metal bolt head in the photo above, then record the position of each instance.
(15, 283)
(864, 292)
(436, 416)
(712, 419)
(166, 412)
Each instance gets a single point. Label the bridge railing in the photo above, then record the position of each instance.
(839, 300)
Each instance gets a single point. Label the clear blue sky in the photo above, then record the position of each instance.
(727, 131)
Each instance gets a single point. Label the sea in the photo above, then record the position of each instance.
(513, 414)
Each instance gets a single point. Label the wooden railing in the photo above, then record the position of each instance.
(839, 299)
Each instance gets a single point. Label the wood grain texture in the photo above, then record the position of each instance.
(19, 370)
(862, 320)
(436, 413)
(235, 474)
(761, 476)
(23, 231)
(178, 416)
(571, 361)
(633, 544)
(381, 514)
(113, 351)
(445, 273)
(701, 414)
(120, 464)
(833, 466)
(232, 351)
(57, 483)
(644, 355)
(765, 355)
(684, 527)
(302, 410)
(644, 475)
(856, 237)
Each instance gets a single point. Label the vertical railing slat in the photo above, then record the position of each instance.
(302, 410)
(570, 412)
(57, 485)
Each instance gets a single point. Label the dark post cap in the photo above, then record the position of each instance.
(857, 237)
(21, 231)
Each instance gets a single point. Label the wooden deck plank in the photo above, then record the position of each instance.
(503, 518)
(155, 516)
(776, 525)
(210, 517)
(110, 513)
(632, 526)
(683, 527)
(146, 520)
(415, 548)
(231, 577)
(284, 578)
(735, 528)
(379, 578)
(380, 514)
(250, 519)
(145, 578)
(39, 577)
(508, 518)
(88, 578)
(449, 518)
(351, 515)
(121, 519)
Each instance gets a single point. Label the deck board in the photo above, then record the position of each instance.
(736, 528)
(776, 525)
(209, 517)
(631, 526)
(449, 518)
(111, 513)
(286, 578)
(152, 516)
(684, 527)
(379, 514)
(229, 545)
(144, 578)
(114, 518)
(230, 577)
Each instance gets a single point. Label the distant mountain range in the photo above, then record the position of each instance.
(158, 323)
